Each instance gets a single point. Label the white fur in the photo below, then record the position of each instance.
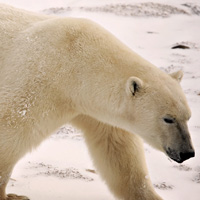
(58, 70)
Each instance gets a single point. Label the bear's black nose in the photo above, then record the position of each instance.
(186, 155)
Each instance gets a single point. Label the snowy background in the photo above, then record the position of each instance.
(61, 167)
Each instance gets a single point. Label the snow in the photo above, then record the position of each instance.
(61, 167)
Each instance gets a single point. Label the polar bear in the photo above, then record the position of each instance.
(55, 71)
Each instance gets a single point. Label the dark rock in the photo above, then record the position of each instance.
(180, 46)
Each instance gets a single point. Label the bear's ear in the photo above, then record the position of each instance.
(177, 75)
(133, 85)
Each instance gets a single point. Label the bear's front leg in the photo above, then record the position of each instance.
(119, 158)
(9, 155)
(2, 187)
(4, 178)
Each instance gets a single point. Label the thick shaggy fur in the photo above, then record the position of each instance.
(64, 70)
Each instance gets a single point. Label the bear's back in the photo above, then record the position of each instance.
(12, 21)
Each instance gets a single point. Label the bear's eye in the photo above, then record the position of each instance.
(168, 120)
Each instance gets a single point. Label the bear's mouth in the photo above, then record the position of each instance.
(173, 155)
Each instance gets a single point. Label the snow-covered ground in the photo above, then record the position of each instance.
(61, 167)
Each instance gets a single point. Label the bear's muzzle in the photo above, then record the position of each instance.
(180, 157)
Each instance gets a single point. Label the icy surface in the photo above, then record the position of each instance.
(61, 167)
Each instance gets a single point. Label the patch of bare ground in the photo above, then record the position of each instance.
(67, 173)
(194, 9)
(196, 178)
(163, 186)
(149, 9)
(171, 68)
(68, 131)
(183, 167)
(57, 10)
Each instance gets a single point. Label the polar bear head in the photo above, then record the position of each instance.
(116, 86)
(159, 113)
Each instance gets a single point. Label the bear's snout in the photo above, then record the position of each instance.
(180, 157)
